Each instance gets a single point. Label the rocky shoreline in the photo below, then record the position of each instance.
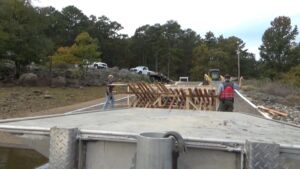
(277, 103)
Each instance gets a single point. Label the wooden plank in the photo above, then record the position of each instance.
(161, 90)
(272, 111)
(147, 94)
(213, 96)
(213, 99)
(165, 89)
(191, 94)
(199, 98)
(180, 99)
(185, 98)
(132, 88)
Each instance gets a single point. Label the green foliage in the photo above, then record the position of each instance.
(276, 47)
(22, 33)
(29, 34)
(164, 48)
(221, 53)
(84, 49)
(64, 55)
(294, 56)
(292, 77)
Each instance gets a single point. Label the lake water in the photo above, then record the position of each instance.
(11, 158)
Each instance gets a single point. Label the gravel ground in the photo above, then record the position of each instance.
(277, 103)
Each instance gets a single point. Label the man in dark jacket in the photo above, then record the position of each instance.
(109, 93)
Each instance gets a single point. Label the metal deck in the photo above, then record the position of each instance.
(195, 125)
(90, 138)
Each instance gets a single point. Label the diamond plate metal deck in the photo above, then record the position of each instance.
(262, 155)
(63, 148)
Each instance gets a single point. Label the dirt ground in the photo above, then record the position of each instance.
(32, 101)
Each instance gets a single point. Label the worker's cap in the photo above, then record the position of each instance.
(227, 76)
(110, 76)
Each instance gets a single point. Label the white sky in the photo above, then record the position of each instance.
(246, 19)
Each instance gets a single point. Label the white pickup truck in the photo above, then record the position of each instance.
(142, 70)
(98, 65)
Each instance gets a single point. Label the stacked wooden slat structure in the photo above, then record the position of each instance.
(158, 95)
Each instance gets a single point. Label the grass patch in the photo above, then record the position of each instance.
(289, 93)
(278, 89)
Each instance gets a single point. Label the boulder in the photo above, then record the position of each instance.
(28, 79)
(58, 82)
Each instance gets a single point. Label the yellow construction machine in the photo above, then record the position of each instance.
(213, 75)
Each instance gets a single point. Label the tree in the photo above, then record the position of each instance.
(74, 22)
(55, 26)
(292, 77)
(210, 39)
(172, 33)
(64, 55)
(84, 49)
(188, 41)
(23, 31)
(277, 41)
(205, 58)
(113, 44)
(221, 53)
(294, 56)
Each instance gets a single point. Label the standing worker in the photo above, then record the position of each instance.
(226, 93)
(109, 93)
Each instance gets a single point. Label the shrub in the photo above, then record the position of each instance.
(7, 70)
(292, 77)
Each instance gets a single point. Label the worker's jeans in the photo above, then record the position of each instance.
(109, 101)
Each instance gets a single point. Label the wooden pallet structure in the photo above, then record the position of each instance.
(158, 95)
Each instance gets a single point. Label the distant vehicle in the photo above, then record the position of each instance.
(98, 65)
(184, 79)
(142, 70)
(214, 74)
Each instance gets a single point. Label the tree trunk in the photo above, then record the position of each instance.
(18, 69)
(50, 71)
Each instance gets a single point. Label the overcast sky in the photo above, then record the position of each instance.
(246, 19)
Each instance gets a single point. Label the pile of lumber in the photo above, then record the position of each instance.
(158, 95)
(272, 111)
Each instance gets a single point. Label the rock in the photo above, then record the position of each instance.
(123, 72)
(114, 70)
(38, 92)
(28, 79)
(72, 82)
(7, 72)
(47, 96)
(58, 82)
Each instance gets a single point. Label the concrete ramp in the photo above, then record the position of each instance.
(243, 105)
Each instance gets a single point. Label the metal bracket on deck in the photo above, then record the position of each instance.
(262, 155)
(63, 148)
